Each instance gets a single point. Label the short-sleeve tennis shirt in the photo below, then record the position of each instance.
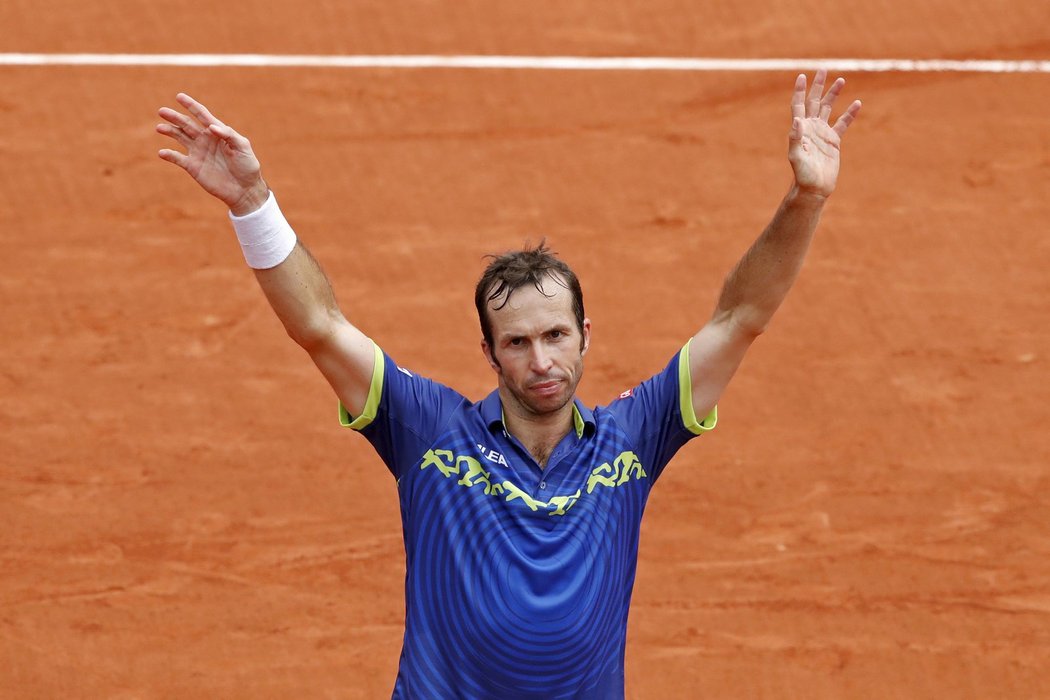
(519, 578)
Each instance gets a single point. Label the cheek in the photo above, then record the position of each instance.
(571, 358)
(512, 365)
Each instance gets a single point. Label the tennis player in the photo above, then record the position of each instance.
(521, 512)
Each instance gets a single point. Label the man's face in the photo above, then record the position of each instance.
(537, 348)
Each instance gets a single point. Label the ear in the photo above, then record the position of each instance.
(487, 352)
(586, 336)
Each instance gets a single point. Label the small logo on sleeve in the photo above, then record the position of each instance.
(627, 394)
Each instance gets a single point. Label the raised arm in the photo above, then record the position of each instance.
(760, 281)
(223, 164)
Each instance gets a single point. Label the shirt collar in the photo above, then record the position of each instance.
(492, 414)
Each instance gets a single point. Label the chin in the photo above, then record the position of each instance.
(549, 404)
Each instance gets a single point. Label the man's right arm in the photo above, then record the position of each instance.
(221, 161)
(302, 298)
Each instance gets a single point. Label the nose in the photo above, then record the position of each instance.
(541, 359)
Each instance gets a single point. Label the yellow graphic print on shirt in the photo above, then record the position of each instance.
(622, 469)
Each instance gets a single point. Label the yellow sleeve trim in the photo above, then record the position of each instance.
(685, 397)
(375, 391)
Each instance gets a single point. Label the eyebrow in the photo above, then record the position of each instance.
(564, 327)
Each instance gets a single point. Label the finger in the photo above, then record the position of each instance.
(847, 118)
(231, 137)
(199, 111)
(798, 97)
(815, 91)
(829, 99)
(180, 121)
(175, 157)
(796, 129)
(175, 133)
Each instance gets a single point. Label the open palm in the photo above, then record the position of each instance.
(813, 143)
(217, 157)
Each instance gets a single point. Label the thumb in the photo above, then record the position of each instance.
(230, 137)
(796, 130)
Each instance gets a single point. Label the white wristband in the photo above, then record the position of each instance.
(265, 236)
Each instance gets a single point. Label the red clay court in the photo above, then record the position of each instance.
(183, 517)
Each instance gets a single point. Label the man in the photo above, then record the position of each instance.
(521, 513)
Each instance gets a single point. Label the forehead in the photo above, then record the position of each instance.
(528, 310)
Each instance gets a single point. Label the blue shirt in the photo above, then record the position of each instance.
(519, 578)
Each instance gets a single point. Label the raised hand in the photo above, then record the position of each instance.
(813, 143)
(217, 157)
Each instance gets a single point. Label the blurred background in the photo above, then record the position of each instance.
(182, 515)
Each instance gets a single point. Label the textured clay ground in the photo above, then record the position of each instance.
(181, 515)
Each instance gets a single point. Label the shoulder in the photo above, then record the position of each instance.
(403, 395)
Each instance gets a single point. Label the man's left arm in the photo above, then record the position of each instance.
(760, 281)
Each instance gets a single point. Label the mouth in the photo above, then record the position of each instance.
(548, 388)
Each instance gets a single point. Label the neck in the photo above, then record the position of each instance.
(539, 433)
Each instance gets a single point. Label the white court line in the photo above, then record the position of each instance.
(652, 63)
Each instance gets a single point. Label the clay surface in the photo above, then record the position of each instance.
(182, 516)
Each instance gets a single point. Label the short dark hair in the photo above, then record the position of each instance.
(515, 269)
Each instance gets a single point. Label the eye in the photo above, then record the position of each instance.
(556, 334)
(516, 342)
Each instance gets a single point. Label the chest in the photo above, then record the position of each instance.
(494, 476)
